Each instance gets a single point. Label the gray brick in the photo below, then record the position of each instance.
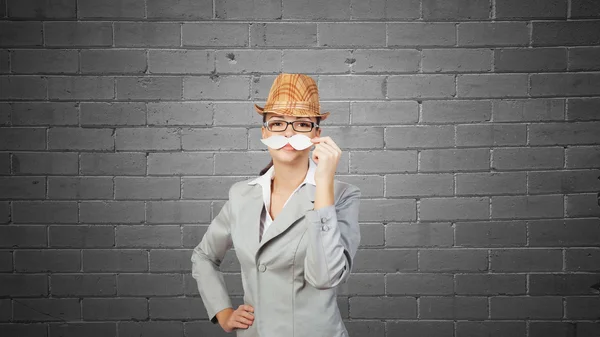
(180, 113)
(95, 236)
(180, 308)
(44, 61)
(283, 35)
(5, 310)
(22, 285)
(582, 205)
(572, 33)
(419, 284)
(493, 34)
(564, 233)
(403, 185)
(387, 210)
(113, 163)
(20, 33)
(113, 9)
(23, 187)
(385, 9)
(44, 163)
(46, 310)
(563, 182)
(538, 329)
(260, 86)
(115, 260)
(582, 307)
(385, 260)
(204, 328)
(180, 163)
(562, 284)
(113, 61)
(490, 328)
(172, 260)
(246, 162)
(23, 87)
(78, 34)
(582, 259)
(63, 9)
(419, 235)
(421, 34)
(527, 158)
(248, 61)
(23, 138)
(383, 307)
(305, 9)
(491, 183)
(361, 87)
(530, 60)
(517, 308)
(521, 260)
(178, 211)
(420, 328)
(583, 109)
(585, 8)
(342, 34)
(436, 10)
(419, 136)
(539, 206)
(456, 111)
(152, 329)
(6, 263)
(491, 234)
(585, 84)
(363, 284)
(148, 236)
(182, 10)
(181, 61)
(421, 86)
(46, 113)
(113, 113)
(89, 329)
(4, 62)
(31, 261)
(147, 34)
(110, 309)
(214, 139)
(357, 137)
(149, 88)
(456, 60)
(219, 87)
(531, 9)
(231, 9)
(81, 88)
(215, 34)
(75, 138)
(316, 61)
(492, 85)
(385, 61)
(5, 163)
(44, 212)
(88, 285)
(111, 211)
(386, 113)
(453, 260)
(564, 134)
(147, 139)
(455, 307)
(150, 284)
(582, 157)
(28, 236)
(584, 58)
(528, 110)
(372, 235)
(491, 284)
(142, 188)
(454, 160)
(370, 186)
(490, 135)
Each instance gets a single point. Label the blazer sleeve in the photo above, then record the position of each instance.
(206, 262)
(334, 236)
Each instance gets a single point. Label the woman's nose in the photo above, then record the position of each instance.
(289, 131)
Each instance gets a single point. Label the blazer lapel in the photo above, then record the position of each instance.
(250, 212)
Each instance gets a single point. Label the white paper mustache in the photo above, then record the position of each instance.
(298, 142)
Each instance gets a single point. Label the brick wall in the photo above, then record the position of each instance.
(472, 128)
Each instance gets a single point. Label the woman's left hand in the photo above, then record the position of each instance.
(326, 155)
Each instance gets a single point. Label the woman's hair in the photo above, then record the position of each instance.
(263, 171)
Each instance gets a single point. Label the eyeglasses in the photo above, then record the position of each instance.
(298, 126)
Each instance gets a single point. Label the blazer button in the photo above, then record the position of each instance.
(262, 268)
(323, 220)
(325, 228)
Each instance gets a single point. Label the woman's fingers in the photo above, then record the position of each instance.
(240, 325)
(246, 307)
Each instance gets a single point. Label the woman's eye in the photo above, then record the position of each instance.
(305, 124)
(276, 123)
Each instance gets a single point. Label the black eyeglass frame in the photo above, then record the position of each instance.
(313, 125)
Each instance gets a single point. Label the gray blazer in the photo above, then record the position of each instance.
(287, 276)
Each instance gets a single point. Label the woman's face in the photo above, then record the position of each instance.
(288, 153)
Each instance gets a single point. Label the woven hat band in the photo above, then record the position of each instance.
(303, 105)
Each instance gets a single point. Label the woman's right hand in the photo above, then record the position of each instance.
(241, 318)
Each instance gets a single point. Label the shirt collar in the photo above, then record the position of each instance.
(266, 178)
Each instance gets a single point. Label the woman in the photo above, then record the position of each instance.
(294, 228)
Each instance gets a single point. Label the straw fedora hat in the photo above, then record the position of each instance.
(293, 95)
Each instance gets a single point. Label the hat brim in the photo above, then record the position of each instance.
(291, 112)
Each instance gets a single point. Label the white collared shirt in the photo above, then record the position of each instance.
(265, 182)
